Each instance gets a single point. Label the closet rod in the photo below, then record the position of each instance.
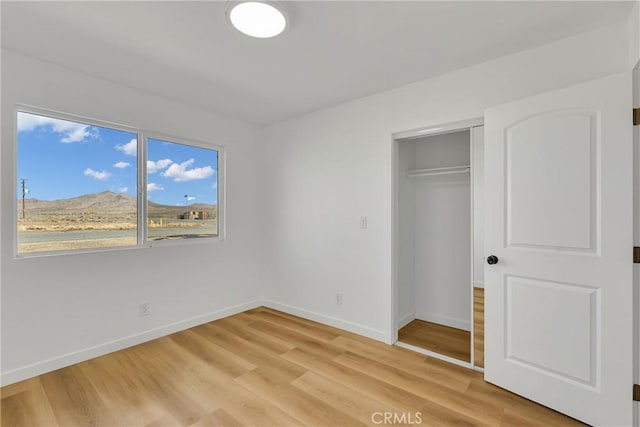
(438, 171)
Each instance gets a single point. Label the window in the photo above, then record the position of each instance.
(182, 191)
(81, 185)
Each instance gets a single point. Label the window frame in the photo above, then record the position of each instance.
(141, 182)
(142, 188)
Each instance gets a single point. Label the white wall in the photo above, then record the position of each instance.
(477, 141)
(406, 311)
(61, 309)
(442, 278)
(335, 165)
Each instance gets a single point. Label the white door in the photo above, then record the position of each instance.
(558, 208)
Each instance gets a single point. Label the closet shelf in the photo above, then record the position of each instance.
(415, 173)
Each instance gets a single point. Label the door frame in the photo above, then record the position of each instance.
(430, 129)
(636, 239)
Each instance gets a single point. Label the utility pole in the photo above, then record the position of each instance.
(24, 194)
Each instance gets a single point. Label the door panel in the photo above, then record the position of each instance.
(559, 218)
(529, 335)
(549, 205)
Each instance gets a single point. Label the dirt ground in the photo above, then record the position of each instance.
(70, 223)
(68, 245)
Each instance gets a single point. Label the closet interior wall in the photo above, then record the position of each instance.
(435, 232)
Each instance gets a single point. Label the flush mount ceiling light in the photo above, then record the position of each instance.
(261, 19)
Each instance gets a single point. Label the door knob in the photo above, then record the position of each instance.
(492, 259)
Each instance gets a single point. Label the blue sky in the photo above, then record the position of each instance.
(62, 159)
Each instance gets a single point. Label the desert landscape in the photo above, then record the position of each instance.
(106, 219)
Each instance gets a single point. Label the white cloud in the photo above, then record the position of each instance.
(189, 198)
(70, 131)
(179, 172)
(101, 176)
(153, 167)
(122, 165)
(123, 189)
(154, 187)
(78, 134)
(130, 148)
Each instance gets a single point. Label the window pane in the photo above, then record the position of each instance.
(182, 191)
(77, 185)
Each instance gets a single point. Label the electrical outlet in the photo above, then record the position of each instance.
(143, 309)
(338, 298)
(363, 222)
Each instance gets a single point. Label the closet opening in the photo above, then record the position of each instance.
(438, 242)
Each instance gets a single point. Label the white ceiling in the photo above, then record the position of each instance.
(332, 52)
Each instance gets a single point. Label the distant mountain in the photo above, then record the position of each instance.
(106, 202)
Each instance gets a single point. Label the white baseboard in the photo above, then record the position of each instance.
(327, 320)
(478, 285)
(62, 361)
(405, 320)
(444, 320)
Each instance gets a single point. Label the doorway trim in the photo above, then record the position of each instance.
(396, 139)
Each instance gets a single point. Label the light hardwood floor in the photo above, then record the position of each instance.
(478, 327)
(441, 339)
(451, 342)
(264, 368)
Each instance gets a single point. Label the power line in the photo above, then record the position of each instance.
(24, 194)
